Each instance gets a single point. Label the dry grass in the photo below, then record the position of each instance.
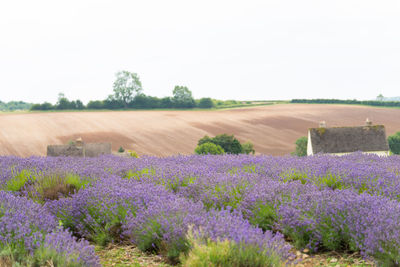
(121, 256)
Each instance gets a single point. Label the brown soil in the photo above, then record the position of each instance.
(330, 259)
(57, 191)
(273, 129)
(124, 255)
(5, 261)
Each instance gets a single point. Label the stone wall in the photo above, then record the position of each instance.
(86, 150)
(97, 149)
(64, 150)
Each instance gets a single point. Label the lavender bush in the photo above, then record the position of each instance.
(27, 230)
(320, 202)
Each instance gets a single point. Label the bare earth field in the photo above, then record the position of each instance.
(273, 129)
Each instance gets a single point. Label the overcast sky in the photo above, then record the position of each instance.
(241, 50)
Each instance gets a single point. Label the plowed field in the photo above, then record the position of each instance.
(272, 129)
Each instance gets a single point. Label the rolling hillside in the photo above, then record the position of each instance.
(272, 129)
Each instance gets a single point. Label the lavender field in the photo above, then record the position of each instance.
(225, 210)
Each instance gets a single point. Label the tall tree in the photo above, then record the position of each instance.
(126, 86)
(206, 102)
(63, 102)
(394, 143)
(182, 97)
(301, 147)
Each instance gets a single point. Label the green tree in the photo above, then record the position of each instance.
(79, 104)
(301, 147)
(64, 103)
(182, 97)
(209, 148)
(95, 104)
(205, 139)
(126, 86)
(15, 105)
(248, 148)
(228, 142)
(206, 102)
(380, 97)
(394, 143)
(44, 106)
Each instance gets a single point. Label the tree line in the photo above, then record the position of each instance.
(128, 94)
(14, 105)
(380, 103)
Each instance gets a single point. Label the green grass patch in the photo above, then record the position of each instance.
(294, 175)
(19, 179)
(222, 196)
(264, 216)
(331, 180)
(175, 183)
(139, 174)
(226, 254)
(250, 168)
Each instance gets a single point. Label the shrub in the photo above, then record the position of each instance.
(394, 143)
(44, 106)
(205, 139)
(133, 154)
(301, 147)
(117, 210)
(29, 237)
(97, 104)
(53, 185)
(61, 246)
(264, 216)
(18, 180)
(248, 148)
(228, 142)
(209, 148)
(206, 103)
(139, 174)
(23, 224)
(229, 240)
(227, 253)
(121, 149)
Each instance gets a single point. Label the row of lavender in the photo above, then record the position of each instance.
(324, 203)
(110, 208)
(30, 235)
(321, 202)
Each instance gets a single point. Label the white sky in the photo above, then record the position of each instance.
(279, 49)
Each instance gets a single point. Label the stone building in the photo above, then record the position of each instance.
(343, 140)
(79, 149)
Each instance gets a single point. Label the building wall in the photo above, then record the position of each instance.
(87, 150)
(379, 153)
(310, 151)
(309, 145)
(97, 149)
(65, 150)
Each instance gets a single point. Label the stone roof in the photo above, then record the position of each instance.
(348, 139)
